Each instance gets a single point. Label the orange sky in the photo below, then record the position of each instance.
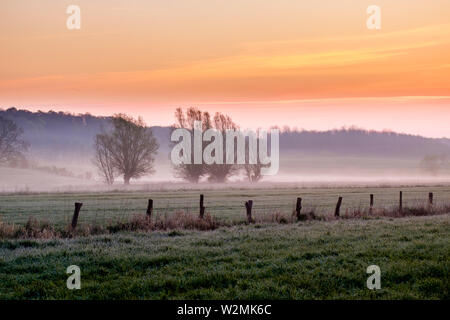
(310, 64)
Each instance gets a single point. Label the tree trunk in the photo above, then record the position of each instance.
(126, 180)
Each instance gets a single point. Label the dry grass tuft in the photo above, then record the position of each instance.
(309, 215)
(395, 212)
(32, 229)
(179, 220)
(7, 230)
(276, 217)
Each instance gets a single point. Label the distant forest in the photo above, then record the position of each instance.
(61, 134)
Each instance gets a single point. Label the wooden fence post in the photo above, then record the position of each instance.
(337, 212)
(202, 208)
(298, 208)
(248, 206)
(430, 201)
(150, 208)
(371, 204)
(75, 214)
(400, 206)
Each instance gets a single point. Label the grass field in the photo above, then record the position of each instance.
(314, 260)
(222, 204)
(306, 260)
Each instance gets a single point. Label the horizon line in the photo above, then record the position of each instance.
(352, 127)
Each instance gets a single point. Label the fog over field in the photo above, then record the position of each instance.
(61, 149)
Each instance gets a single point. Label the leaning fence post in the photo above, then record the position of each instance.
(400, 206)
(337, 212)
(150, 208)
(298, 207)
(202, 208)
(248, 206)
(371, 204)
(75, 214)
(430, 199)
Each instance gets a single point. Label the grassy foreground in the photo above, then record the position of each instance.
(313, 260)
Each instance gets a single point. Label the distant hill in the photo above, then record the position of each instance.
(62, 135)
(358, 142)
(445, 141)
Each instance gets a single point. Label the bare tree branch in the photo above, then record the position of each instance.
(103, 157)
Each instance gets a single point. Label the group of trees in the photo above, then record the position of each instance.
(214, 172)
(193, 172)
(128, 149)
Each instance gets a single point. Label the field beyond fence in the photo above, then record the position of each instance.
(141, 211)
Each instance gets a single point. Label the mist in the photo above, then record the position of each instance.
(61, 152)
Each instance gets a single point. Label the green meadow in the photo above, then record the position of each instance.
(301, 260)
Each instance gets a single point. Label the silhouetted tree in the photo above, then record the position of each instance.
(221, 172)
(104, 160)
(253, 171)
(130, 147)
(11, 144)
(189, 171)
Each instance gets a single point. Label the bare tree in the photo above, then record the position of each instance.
(103, 157)
(131, 147)
(11, 144)
(253, 171)
(221, 172)
(191, 172)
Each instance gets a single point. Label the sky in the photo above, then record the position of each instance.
(305, 64)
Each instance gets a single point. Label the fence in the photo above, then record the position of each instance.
(249, 206)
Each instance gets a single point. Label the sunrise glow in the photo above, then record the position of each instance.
(263, 62)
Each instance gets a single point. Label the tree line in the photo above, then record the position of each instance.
(127, 148)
